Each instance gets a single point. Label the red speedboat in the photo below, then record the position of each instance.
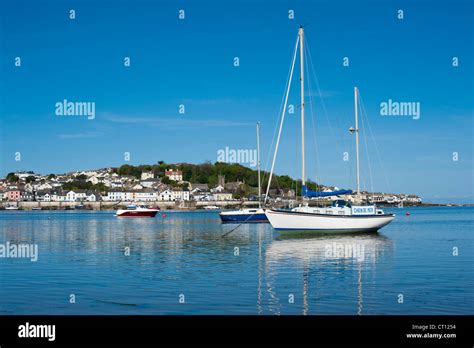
(137, 211)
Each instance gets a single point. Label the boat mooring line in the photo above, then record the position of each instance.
(232, 230)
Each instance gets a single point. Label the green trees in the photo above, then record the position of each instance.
(83, 185)
(81, 177)
(30, 179)
(128, 169)
(11, 177)
(165, 180)
(208, 173)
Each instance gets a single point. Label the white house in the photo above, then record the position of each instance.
(146, 195)
(24, 175)
(92, 197)
(147, 175)
(166, 195)
(137, 187)
(94, 180)
(181, 195)
(175, 175)
(117, 195)
(149, 183)
(107, 182)
(42, 196)
(116, 183)
(218, 188)
(78, 195)
(58, 197)
(413, 199)
(42, 186)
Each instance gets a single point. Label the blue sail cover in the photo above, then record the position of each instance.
(308, 193)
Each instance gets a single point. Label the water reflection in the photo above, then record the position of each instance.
(184, 252)
(315, 258)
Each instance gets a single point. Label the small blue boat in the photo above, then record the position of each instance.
(248, 215)
(255, 215)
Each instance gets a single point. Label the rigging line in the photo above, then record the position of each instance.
(297, 148)
(366, 146)
(376, 146)
(321, 97)
(276, 125)
(232, 230)
(310, 90)
(282, 119)
(352, 176)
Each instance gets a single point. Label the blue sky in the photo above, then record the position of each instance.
(190, 62)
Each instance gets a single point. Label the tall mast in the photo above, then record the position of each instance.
(356, 109)
(258, 164)
(301, 35)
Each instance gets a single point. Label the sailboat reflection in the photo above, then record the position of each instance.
(321, 256)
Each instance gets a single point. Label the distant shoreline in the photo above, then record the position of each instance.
(171, 205)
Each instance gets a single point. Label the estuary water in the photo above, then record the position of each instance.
(95, 263)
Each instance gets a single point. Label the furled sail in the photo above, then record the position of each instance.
(308, 193)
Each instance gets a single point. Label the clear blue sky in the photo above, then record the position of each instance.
(190, 62)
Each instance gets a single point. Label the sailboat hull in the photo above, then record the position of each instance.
(283, 220)
(244, 216)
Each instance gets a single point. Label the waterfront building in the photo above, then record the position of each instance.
(145, 195)
(26, 196)
(76, 195)
(181, 194)
(92, 196)
(58, 196)
(13, 195)
(40, 196)
(166, 195)
(222, 196)
(119, 195)
(413, 199)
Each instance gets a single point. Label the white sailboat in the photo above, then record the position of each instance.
(342, 216)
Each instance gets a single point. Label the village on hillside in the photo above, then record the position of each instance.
(107, 185)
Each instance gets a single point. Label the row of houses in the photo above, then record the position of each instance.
(107, 177)
(393, 198)
(145, 195)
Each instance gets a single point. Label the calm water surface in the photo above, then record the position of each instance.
(253, 270)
